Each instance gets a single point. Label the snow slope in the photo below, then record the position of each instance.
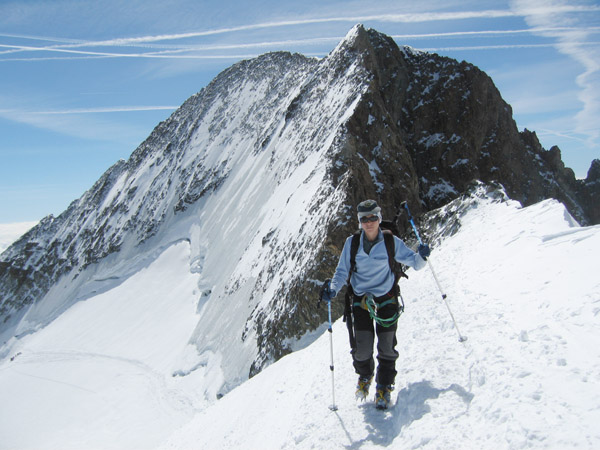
(105, 373)
(116, 370)
(523, 288)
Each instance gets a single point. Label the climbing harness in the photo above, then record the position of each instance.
(368, 303)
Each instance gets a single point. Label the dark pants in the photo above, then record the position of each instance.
(364, 332)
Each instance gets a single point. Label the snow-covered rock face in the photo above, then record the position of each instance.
(239, 171)
(260, 173)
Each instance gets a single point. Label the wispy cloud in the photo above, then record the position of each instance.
(77, 123)
(391, 17)
(481, 33)
(167, 50)
(116, 109)
(400, 18)
(576, 45)
(82, 48)
(126, 55)
(568, 134)
(498, 47)
(62, 49)
(191, 51)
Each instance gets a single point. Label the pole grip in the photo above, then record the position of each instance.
(412, 222)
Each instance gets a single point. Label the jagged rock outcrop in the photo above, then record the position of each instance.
(456, 128)
(261, 172)
(587, 192)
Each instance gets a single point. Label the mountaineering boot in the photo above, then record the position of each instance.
(383, 395)
(362, 388)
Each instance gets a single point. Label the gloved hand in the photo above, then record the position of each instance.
(327, 294)
(424, 251)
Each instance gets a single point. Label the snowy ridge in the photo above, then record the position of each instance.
(521, 285)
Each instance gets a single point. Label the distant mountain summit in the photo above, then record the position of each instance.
(261, 172)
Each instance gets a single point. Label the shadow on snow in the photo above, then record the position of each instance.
(411, 405)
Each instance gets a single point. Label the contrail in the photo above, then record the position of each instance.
(399, 18)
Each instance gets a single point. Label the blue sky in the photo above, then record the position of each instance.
(84, 82)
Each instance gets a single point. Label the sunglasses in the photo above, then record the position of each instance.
(366, 219)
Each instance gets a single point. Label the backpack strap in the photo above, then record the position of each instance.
(354, 244)
(395, 266)
(390, 246)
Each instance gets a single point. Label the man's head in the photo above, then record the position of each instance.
(369, 211)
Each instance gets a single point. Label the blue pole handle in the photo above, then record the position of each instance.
(412, 223)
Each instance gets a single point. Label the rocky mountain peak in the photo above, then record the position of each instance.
(355, 40)
(261, 171)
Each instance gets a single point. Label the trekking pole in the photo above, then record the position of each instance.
(333, 406)
(461, 338)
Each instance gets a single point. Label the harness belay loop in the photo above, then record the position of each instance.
(373, 307)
